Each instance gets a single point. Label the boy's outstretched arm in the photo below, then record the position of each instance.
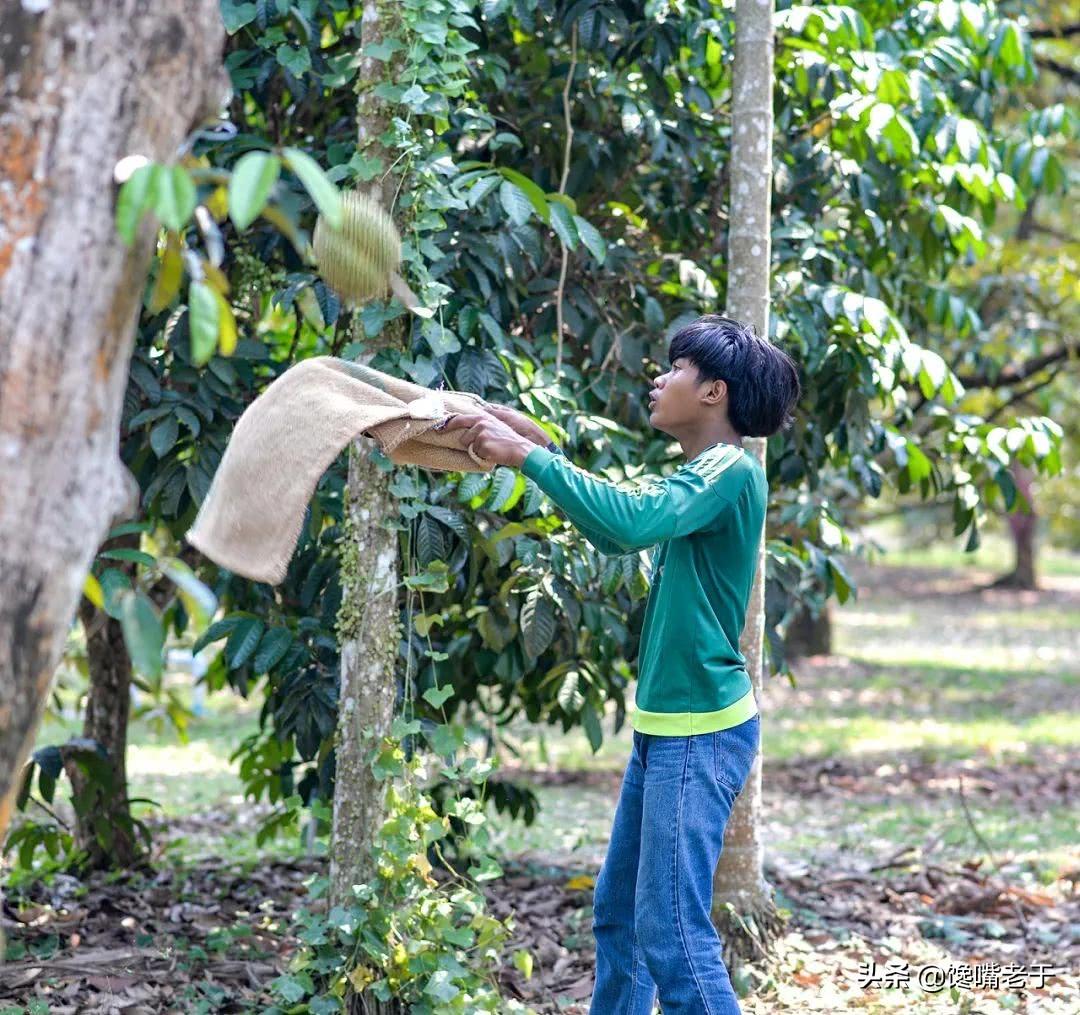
(694, 497)
(601, 542)
(684, 502)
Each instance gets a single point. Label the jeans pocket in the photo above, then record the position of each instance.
(734, 750)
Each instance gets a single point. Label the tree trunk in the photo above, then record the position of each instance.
(369, 630)
(85, 83)
(108, 707)
(1022, 527)
(740, 875)
(808, 635)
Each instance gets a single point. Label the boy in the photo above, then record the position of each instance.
(695, 721)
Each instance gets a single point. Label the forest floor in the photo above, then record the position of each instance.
(920, 790)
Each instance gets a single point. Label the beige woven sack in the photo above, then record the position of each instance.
(289, 436)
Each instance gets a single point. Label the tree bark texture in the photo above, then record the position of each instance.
(85, 83)
(739, 878)
(807, 635)
(369, 629)
(108, 708)
(1023, 526)
(368, 624)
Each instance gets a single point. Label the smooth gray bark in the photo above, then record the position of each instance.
(740, 878)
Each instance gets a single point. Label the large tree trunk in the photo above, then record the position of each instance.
(368, 624)
(85, 83)
(740, 876)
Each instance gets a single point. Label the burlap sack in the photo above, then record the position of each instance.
(289, 436)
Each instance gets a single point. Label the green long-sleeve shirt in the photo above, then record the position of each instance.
(707, 518)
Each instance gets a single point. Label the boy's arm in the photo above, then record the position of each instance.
(603, 544)
(689, 500)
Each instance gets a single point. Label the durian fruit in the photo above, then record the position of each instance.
(359, 260)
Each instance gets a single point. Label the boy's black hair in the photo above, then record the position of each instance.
(762, 380)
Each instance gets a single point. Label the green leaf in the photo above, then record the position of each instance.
(199, 601)
(969, 141)
(136, 195)
(536, 196)
(441, 340)
(1010, 45)
(272, 648)
(569, 695)
(1007, 485)
(243, 641)
(436, 696)
(203, 322)
(415, 97)
(481, 188)
(445, 738)
(236, 15)
(215, 632)
(128, 554)
(537, 622)
(523, 962)
(562, 221)
(501, 488)
(295, 59)
(440, 987)
(163, 435)
(383, 49)
(143, 633)
(918, 465)
(841, 580)
(175, 197)
(932, 373)
(289, 987)
(592, 239)
(250, 185)
(515, 203)
(113, 583)
(591, 722)
(324, 1004)
(323, 192)
(402, 727)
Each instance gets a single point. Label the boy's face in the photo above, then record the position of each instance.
(675, 399)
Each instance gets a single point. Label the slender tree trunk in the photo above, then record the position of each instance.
(740, 876)
(85, 83)
(808, 635)
(368, 624)
(108, 707)
(1023, 526)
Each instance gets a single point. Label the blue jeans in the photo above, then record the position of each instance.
(653, 898)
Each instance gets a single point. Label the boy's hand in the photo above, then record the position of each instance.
(519, 423)
(490, 438)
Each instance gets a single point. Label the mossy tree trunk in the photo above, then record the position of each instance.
(85, 83)
(740, 876)
(368, 624)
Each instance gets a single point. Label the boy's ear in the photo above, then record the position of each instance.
(715, 391)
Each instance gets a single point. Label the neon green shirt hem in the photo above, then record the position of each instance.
(685, 724)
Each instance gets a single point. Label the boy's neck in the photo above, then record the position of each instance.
(694, 444)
